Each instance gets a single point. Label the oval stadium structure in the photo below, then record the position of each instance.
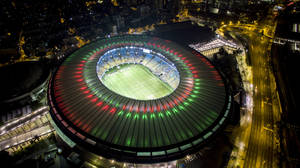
(138, 99)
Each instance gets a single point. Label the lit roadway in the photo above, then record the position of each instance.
(257, 138)
(25, 128)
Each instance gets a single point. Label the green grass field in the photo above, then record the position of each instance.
(137, 82)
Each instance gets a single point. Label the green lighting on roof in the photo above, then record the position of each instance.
(120, 113)
(193, 95)
(186, 103)
(128, 142)
(136, 116)
(175, 110)
(145, 117)
(128, 115)
(152, 116)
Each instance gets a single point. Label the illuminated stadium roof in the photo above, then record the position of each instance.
(125, 128)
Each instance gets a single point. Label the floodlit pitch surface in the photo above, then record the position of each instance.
(137, 82)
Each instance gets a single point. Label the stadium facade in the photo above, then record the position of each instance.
(90, 115)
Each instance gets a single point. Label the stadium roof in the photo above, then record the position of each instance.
(20, 78)
(141, 131)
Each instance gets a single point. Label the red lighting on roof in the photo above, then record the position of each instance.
(77, 76)
(158, 107)
(86, 92)
(83, 88)
(100, 103)
(184, 96)
(130, 108)
(152, 109)
(165, 106)
(179, 98)
(186, 92)
(113, 110)
(175, 101)
(105, 107)
(171, 104)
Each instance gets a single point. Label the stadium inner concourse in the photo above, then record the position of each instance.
(137, 99)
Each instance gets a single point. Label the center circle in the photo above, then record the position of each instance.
(137, 73)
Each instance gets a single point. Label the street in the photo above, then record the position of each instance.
(257, 136)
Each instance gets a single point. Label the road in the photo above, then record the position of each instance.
(26, 136)
(260, 148)
(258, 137)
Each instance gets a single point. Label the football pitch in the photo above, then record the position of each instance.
(136, 81)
